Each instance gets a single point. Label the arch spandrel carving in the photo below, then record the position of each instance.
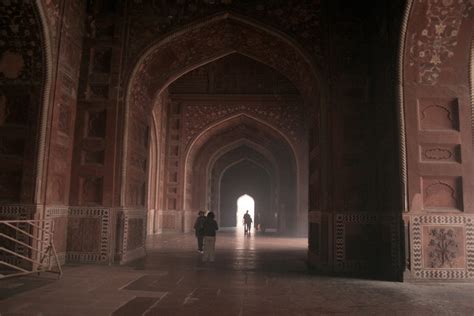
(203, 43)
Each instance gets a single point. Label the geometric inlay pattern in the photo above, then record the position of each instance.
(104, 215)
(342, 220)
(443, 241)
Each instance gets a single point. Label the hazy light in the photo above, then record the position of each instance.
(245, 203)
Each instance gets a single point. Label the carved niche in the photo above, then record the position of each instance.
(93, 157)
(91, 190)
(96, 123)
(438, 114)
(64, 122)
(101, 60)
(442, 193)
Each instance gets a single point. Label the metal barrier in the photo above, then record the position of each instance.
(26, 247)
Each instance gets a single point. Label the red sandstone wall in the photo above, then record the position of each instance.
(354, 226)
(439, 159)
(22, 81)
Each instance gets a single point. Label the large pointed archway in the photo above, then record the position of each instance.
(161, 64)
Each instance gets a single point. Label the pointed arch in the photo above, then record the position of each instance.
(198, 44)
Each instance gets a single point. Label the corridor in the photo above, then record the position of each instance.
(257, 275)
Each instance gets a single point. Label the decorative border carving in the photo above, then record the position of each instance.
(126, 215)
(45, 116)
(401, 108)
(18, 211)
(341, 219)
(471, 79)
(417, 223)
(56, 211)
(199, 117)
(105, 216)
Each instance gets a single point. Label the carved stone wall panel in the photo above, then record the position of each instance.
(367, 243)
(21, 57)
(132, 223)
(17, 211)
(22, 71)
(89, 236)
(285, 117)
(101, 60)
(234, 74)
(135, 233)
(442, 193)
(65, 84)
(151, 20)
(436, 153)
(438, 115)
(95, 123)
(442, 246)
(59, 216)
(91, 190)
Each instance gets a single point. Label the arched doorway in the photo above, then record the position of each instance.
(235, 141)
(245, 204)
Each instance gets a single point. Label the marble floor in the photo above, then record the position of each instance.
(257, 275)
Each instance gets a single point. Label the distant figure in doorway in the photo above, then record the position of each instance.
(199, 230)
(247, 223)
(210, 228)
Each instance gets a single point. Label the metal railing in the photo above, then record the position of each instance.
(27, 247)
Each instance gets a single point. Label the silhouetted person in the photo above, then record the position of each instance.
(247, 222)
(199, 229)
(210, 228)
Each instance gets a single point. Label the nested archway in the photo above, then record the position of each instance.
(242, 150)
(190, 48)
(246, 178)
(221, 145)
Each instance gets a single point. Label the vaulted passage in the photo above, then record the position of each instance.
(348, 123)
(231, 127)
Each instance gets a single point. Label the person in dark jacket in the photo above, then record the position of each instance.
(247, 223)
(210, 228)
(199, 230)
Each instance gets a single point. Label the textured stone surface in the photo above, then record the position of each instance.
(251, 276)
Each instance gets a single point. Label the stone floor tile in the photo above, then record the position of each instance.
(251, 276)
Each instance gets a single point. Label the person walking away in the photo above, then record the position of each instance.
(199, 230)
(247, 222)
(210, 228)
